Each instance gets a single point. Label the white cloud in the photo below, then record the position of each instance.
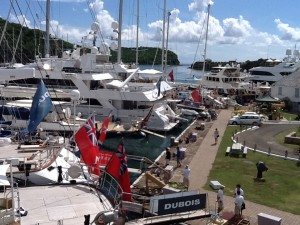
(199, 5)
(129, 33)
(74, 34)
(103, 17)
(21, 19)
(289, 33)
(234, 27)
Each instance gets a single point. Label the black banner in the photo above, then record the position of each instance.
(181, 204)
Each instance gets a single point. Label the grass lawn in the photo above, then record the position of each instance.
(280, 138)
(282, 179)
(289, 116)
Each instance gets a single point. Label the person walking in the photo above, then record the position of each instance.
(216, 135)
(220, 199)
(168, 156)
(186, 176)
(178, 157)
(238, 202)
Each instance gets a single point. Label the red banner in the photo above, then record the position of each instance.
(103, 130)
(196, 96)
(117, 167)
(86, 141)
(171, 75)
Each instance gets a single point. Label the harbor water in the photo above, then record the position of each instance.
(182, 73)
(152, 146)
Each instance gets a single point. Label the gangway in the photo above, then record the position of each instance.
(171, 218)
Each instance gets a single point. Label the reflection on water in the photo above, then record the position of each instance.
(150, 146)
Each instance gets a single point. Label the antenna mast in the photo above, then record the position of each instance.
(206, 36)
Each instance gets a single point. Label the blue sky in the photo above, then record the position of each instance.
(238, 29)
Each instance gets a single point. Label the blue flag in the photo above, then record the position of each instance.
(41, 105)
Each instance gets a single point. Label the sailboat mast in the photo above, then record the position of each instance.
(163, 38)
(167, 41)
(47, 41)
(120, 31)
(137, 32)
(206, 36)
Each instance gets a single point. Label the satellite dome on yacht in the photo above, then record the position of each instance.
(276, 69)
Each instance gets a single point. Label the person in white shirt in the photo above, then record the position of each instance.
(239, 188)
(216, 135)
(186, 173)
(220, 199)
(238, 202)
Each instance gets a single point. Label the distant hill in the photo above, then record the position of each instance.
(146, 56)
(31, 43)
(244, 65)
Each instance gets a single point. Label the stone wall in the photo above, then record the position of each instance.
(292, 139)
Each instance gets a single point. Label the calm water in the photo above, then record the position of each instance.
(150, 146)
(182, 74)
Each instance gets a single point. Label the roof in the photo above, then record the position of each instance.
(267, 98)
(292, 80)
(97, 76)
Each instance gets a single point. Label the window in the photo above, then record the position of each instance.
(263, 73)
(297, 92)
(279, 90)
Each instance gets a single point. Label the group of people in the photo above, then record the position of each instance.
(186, 171)
(169, 156)
(239, 200)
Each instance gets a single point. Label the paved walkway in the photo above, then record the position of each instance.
(202, 164)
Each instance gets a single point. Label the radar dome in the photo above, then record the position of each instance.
(75, 95)
(114, 25)
(94, 50)
(95, 27)
(104, 48)
(113, 46)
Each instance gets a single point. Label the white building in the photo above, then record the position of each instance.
(288, 87)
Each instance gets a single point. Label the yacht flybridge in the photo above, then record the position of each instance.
(276, 69)
(226, 79)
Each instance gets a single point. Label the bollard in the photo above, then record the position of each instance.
(269, 151)
(286, 154)
(255, 147)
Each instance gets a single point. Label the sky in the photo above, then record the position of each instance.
(238, 29)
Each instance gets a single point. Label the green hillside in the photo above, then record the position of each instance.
(31, 43)
(147, 55)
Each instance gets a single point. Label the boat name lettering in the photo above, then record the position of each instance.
(182, 204)
(44, 96)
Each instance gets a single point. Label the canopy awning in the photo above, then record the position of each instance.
(267, 98)
(97, 76)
